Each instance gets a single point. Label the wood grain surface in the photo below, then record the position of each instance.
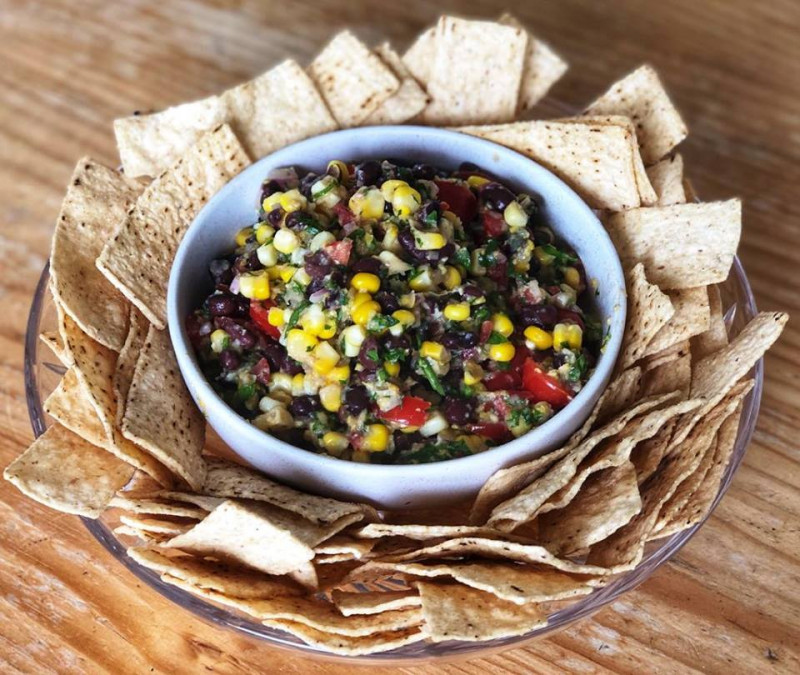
(728, 603)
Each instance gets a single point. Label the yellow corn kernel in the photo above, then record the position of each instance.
(392, 368)
(254, 286)
(321, 240)
(275, 317)
(280, 382)
(299, 343)
(572, 277)
(477, 181)
(405, 201)
(473, 373)
(475, 444)
(543, 256)
(272, 202)
(286, 273)
(390, 242)
(339, 374)
(264, 233)
(302, 277)
(404, 317)
(360, 456)
(422, 281)
(408, 300)
(293, 200)
(538, 337)
(429, 241)
(328, 329)
(452, 278)
(313, 320)
(457, 311)
(352, 339)
(376, 438)
(331, 397)
(364, 312)
(334, 443)
(432, 350)
(502, 352)
(325, 357)
(243, 235)
(286, 241)
(567, 336)
(502, 324)
(359, 299)
(515, 215)
(367, 203)
(220, 341)
(299, 385)
(366, 282)
(267, 255)
(388, 188)
(274, 272)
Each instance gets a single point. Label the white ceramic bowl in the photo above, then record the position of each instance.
(390, 486)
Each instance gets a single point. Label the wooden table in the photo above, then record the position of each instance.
(729, 602)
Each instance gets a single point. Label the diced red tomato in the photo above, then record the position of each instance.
(262, 371)
(495, 431)
(502, 379)
(493, 224)
(344, 214)
(339, 251)
(486, 331)
(259, 313)
(460, 199)
(410, 413)
(542, 386)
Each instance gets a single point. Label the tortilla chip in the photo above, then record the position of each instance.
(66, 473)
(593, 159)
(351, 604)
(420, 532)
(277, 108)
(157, 525)
(681, 246)
(160, 414)
(52, 340)
(666, 177)
(619, 394)
(624, 548)
(456, 612)
(257, 535)
(674, 375)
(97, 200)
(204, 502)
(407, 102)
(350, 646)
(522, 507)
(353, 81)
(542, 68)
(691, 318)
(607, 501)
(157, 508)
(344, 545)
(69, 405)
(716, 336)
(476, 72)
(419, 57)
(226, 479)
(128, 356)
(138, 259)
(648, 311)
(237, 582)
(516, 583)
(641, 96)
(647, 455)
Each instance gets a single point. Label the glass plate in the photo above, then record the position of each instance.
(43, 371)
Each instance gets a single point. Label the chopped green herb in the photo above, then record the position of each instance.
(561, 257)
(463, 258)
(496, 338)
(296, 314)
(426, 367)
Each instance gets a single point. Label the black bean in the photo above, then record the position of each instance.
(221, 271)
(406, 239)
(458, 341)
(370, 264)
(244, 337)
(368, 354)
(368, 173)
(429, 209)
(496, 196)
(404, 441)
(222, 304)
(423, 172)
(387, 301)
(398, 342)
(299, 220)
(275, 216)
(318, 265)
(543, 236)
(305, 184)
(304, 406)
(543, 316)
(471, 291)
(229, 359)
(248, 262)
(356, 399)
(269, 188)
(458, 411)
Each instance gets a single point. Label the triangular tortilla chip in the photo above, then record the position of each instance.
(351, 604)
(138, 259)
(52, 340)
(97, 200)
(647, 455)
(155, 507)
(691, 318)
(407, 102)
(593, 159)
(353, 81)
(542, 68)
(641, 96)
(681, 246)
(419, 57)
(476, 73)
(66, 473)
(716, 336)
(666, 177)
(456, 612)
(160, 414)
(673, 375)
(649, 309)
(277, 108)
(128, 356)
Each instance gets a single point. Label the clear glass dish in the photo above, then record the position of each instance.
(43, 371)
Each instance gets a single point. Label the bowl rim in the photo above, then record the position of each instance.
(512, 450)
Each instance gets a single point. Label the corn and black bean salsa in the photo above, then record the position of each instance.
(396, 314)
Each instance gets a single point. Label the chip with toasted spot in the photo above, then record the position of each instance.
(351, 604)
(666, 177)
(128, 356)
